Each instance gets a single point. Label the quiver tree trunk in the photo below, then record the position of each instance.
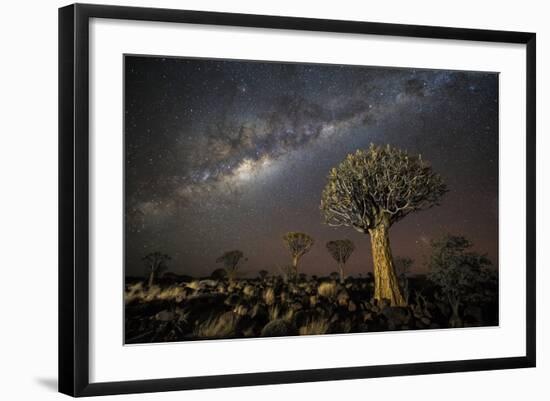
(341, 272)
(295, 260)
(151, 278)
(455, 321)
(386, 284)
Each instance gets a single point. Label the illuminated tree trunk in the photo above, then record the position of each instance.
(295, 260)
(386, 285)
(151, 278)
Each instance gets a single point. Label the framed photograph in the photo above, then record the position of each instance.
(250, 199)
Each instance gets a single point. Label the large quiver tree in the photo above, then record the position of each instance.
(370, 191)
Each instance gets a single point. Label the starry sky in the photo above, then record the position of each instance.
(228, 154)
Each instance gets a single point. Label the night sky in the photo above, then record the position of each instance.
(224, 155)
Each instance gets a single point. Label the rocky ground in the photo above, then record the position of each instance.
(210, 309)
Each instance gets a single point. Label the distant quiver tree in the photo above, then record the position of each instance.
(230, 260)
(372, 189)
(155, 262)
(341, 250)
(298, 244)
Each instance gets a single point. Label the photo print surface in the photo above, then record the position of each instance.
(269, 199)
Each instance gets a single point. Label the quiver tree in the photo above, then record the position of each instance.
(298, 244)
(155, 262)
(340, 250)
(230, 260)
(372, 189)
(461, 274)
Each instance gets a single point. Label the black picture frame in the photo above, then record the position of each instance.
(74, 198)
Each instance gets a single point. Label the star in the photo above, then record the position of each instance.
(224, 154)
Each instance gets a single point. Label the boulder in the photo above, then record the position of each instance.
(397, 315)
(165, 316)
(277, 328)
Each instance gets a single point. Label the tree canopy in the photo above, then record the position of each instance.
(298, 243)
(340, 249)
(380, 184)
(457, 270)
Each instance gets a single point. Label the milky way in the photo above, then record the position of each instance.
(224, 155)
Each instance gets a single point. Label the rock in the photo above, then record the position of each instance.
(366, 306)
(221, 288)
(249, 291)
(367, 316)
(276, 328)
(342, 298)
(259, 311)
(397, 315)
(296, 306)
(425, 321)
(232, 300)
(299, 318)
(165, 316)
(208, 283)
(352, 307)
(384, 303)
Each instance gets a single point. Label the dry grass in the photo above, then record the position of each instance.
(328, 290)
(269, 296)
(274, 313)
(314, 326)
(138, 292)
(221, 326)
(241, 310)
(313, 299)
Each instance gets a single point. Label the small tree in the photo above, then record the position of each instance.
(263, 274)
(298, 244)
(230, 260)
(340, 250)
(218, 274)
(370, 191)
(402, 269)
(458, 271)
(155, 263)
